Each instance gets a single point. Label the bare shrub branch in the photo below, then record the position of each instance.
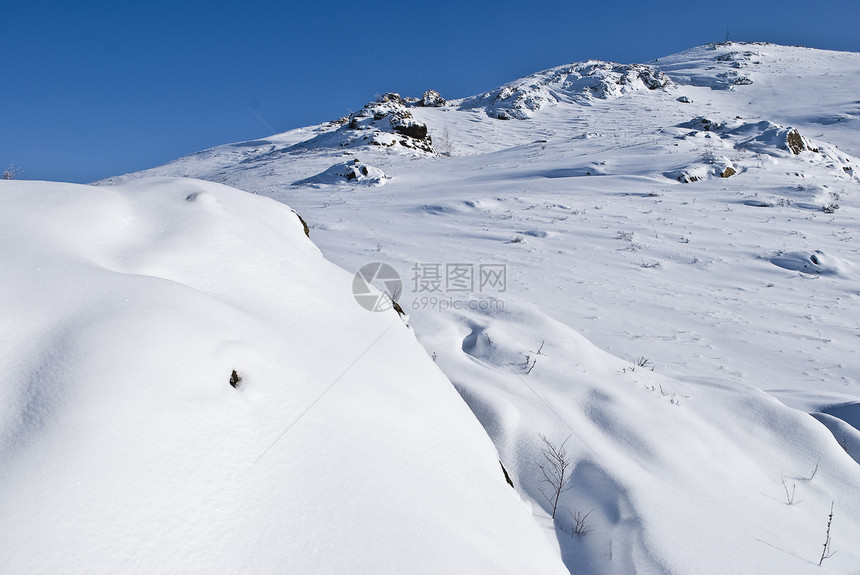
(826, 553)
(555, 470)
(11, 172)
(789, 496)
(580, 527)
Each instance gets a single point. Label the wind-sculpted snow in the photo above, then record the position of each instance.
(815, 263)
(812, 90)
(355, 172)
(631, 437)
(190, 387)
(749, 139)
(719, 67)
(674, 261)
(574, 83)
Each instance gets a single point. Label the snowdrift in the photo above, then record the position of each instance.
(191, 388)
(671, 476)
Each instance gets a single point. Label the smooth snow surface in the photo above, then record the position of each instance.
(125, 449)
(679, 242)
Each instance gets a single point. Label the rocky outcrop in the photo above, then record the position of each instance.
(797, 143)
(390, 123)
(762, 137)
(433, 99)
(386, 122)
(409, 127)
(574, 83)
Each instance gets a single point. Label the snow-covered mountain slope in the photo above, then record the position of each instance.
(124, 448)
(575, 83)
(654, 265)
(817, 91)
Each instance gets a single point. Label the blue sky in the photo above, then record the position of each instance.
(95, 89)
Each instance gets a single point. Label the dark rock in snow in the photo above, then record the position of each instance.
(432, 99)
(794, 142)
(415, 130)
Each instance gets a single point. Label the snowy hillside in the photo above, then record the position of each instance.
(653, 266)
(576, 83)
(128, 445)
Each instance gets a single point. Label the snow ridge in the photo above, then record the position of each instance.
(197, 391)
(578, 83)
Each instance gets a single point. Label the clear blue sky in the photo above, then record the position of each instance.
(95, 89)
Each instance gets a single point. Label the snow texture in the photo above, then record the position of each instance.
(126, 449)
(679, 244)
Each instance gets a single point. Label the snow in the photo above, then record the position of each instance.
(688, 332)
(355, 171)
(125, 448)
(579, 82)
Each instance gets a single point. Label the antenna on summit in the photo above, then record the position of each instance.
(728, 39)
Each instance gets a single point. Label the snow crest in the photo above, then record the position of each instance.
(573, 83)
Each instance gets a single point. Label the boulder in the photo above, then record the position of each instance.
(433, 99)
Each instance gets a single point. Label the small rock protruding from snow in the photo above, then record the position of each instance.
(307, 230)
(702, 123)
(814, 263)
(235, 379)
(709, 167)
(797, 143)
(354, 171)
